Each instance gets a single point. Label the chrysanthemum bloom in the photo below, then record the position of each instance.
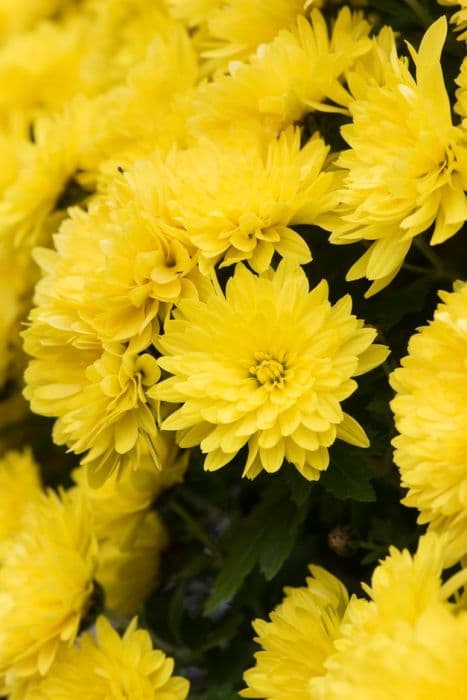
(297, 640)
(235, 197)
(15, 18)
(406, 168)
(97, 392)
(233, 30)
(42, 69)
(113, 276)
(460, 17)
(128, 571)
(408, 641)
(301, 70)
(102, 114)
(266, 366)
(192, 12)
(131, 271)
(111, 667)
(20, 484)
(46, 585)
(430, 410)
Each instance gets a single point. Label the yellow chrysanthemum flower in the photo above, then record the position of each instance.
(46, 585)
(128, 571)
(407, 165)
(431, 417)
(120, 34)
(20, 484)
(460, 17)
(235, 198)
(192, 12)
(407, 642)
(107, 666)
(21, 17)
(97, 392)
(266, 367)
(132, 271)
(300, 70)
(114, 273)
(297, 640)
(234, 29)
(152, 108)
(42, 69)
(143, 105)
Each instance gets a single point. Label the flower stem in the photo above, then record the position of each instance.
(194, 527)
(436, 262)
(420, 12)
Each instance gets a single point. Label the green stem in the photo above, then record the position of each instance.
(436, 262)
(420, 12)
(194, 527)
(418, 269)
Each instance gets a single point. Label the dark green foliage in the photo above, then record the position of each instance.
(348, 476)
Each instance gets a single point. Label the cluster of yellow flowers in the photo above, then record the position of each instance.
(152, 148)
(61, 555)
(408, 640)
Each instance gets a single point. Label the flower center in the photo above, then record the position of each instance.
(268, 371)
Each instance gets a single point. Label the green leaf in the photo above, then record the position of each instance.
(243, 553)
(299, 487)
(266, 536)
(348, 477)
(224, 632)
(280, 538)
(398, 303)
(175, 612)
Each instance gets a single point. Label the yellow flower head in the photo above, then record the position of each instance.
(20, 484)
(114, 274)
(407, 164)
(235, 29)
(407, 642)
(192, 12)
(90, 112)
(109, 667)
(235, 199)
(34, 68)
(97, 392)
(265, 366)
(152, 108)
(20, 17)
(460, 17)
(132, 271)
(128, 571)
(431, 418)
(299, 71)
(297, 640)
(46, 584)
